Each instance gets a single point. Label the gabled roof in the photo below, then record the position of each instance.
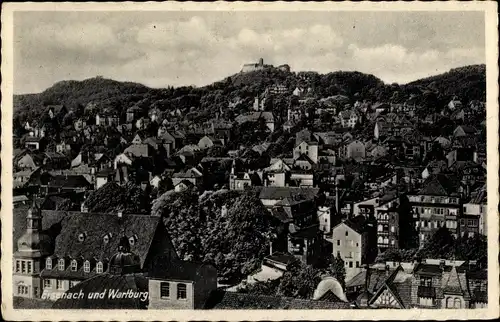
(399, 285)
(283, 192)
(455, 284)
(220, 300)
(440, 185)
(190, 173)
(96, 226)
(179, 270)
(69, 181)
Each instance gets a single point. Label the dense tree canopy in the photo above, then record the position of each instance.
(229, 229)
(112, 197)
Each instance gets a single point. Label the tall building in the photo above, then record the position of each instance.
(32, 249)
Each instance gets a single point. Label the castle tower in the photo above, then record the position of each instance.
(261, 62)
(32, 249)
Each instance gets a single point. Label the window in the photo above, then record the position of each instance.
(22, 289)
(86, 267)
(338, 242)
(357, 244)
(425, 301)
(99, 268)
(350, 264)
(35, 291)
(347, 233)
(164, 290)
(47, 283)
(59, 284)
(23, 267)
(380, 228)
(458, 303)
(18, 266)
(181, 291)
(61, 264)
(48, 263)
(392, 229)
(357, 264)
(74, 265)
(29, 267)
(425, 281)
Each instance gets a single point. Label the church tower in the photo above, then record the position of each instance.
(29, 259)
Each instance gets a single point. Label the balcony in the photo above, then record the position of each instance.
(426, 291)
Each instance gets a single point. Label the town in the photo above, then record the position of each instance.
(270, 189)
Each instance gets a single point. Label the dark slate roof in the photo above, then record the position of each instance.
(284, 192)
(282, 258)
(357, 223)
(96, 226)
(221, 300)
(399, 284)
(65, 226)
(440, 185)
(71, 181)
(377, 278)
(107, 282)
(180, 270)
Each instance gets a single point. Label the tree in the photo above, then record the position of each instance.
(337, 269)
(440, 245)
(299, 282)
(216, 151)
(112, 197)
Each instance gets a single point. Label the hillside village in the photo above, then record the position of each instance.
(279, 189)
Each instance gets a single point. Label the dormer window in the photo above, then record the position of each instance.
(99, 268)
(74, 265)
(48, 263)
(81, 237)
(132, 240)
(61, 264)
(86, 267)
(107, 238)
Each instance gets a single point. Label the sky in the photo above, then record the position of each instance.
(168, 48)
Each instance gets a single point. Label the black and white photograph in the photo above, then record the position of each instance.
(250, 160)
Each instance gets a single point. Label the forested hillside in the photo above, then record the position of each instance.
(199, 104)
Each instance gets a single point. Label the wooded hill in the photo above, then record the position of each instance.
(199, 104)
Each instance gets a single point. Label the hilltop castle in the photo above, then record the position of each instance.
(260, 66)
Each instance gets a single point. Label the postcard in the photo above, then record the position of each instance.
(249, 161)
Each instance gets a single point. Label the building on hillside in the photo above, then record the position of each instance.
(308, 148)
(60, 249)
(437, 204)
(29, 257)
(349, 118)
(193, 175)
(441, 285)
(475, 212)
(350, 240)
(266, 117)
(251, 67)
(34, 143)
(180, 285)
(352, 149)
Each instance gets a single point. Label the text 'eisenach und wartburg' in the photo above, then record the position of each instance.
(110, 294)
